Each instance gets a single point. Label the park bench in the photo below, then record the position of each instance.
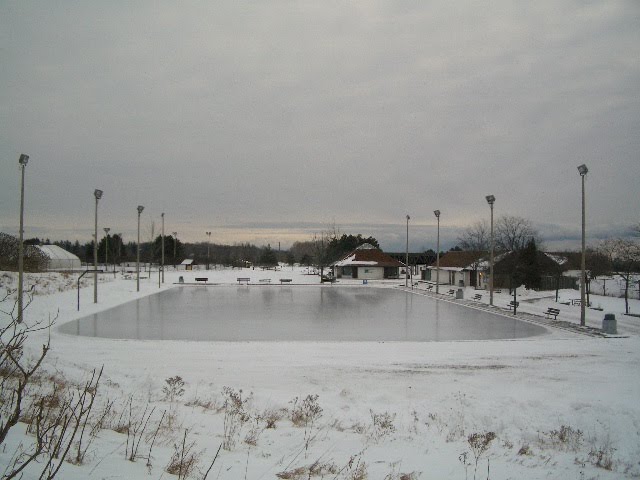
(552, 311)
(202, 279)
(326, 279)
(244, 280)
(497, 291)
(451, 292)
(477, 297)
(430, 287)
(513, 305)
(285, 280)
(265, 280)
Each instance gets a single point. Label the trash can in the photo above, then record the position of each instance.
(460, 293)
(364, 282)
(180, 279)
(609, 324)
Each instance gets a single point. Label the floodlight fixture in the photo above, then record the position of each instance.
(490, 199)
(24, 159)
(97, 193)
(436, 213)
(583, 170)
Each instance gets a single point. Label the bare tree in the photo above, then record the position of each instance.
(513, 233)
(476, 237)
(624, 255)
(321, 243)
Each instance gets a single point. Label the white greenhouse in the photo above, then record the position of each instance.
(60, 259)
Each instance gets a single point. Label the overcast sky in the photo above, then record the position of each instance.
(266, 121)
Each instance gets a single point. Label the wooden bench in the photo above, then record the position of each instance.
(265, 280)
(202, 279)
(552, 311)
(285, 280)
(430, 287)
(497, 291)
(513, 305)
(477, 297)
(244, 280)
(451, 292)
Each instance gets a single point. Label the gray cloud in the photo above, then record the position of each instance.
(225, 114)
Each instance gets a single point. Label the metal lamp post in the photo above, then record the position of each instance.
(208, 245)
(162, 244)
(140, 209)
(175, 241)
(98, 194)
(437, 214)
(491, 200)
(583, 170)
(24, 159)
(106, 249)
(406, 270)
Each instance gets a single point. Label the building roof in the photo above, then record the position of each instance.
(54, 252)
(367, 255)
(459, 260)
(187, 261)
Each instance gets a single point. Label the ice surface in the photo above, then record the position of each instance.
(296, 313)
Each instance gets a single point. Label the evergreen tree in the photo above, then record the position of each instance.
(268, 257)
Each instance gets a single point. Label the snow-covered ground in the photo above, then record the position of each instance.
(557, 403)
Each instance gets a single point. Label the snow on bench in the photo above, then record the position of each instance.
(202, 279)
(285, 280)
(244, 280)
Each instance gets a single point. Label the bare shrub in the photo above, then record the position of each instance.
(601, 452)
(56, 412)
(184, 460)
(271, 416)
(566, 437)
(382, 424)
(235, 416)
(304, 414)
(480, 443)
(525, 450)
(252, 436)
(173, 388)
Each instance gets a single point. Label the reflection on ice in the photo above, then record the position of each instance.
(284, 313)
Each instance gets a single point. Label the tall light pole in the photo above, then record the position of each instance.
(437, 214)
(162, 242)
(98, 194)
(208, 245)
(491, 200)
(22, 161)
(106, 248)
(583, 170)
(140, 209)
(175, 242)
(119, 251)
(406, 270)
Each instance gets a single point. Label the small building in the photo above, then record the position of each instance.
(459, 269)
(59, 258)
(187, 264)
(367, 263)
